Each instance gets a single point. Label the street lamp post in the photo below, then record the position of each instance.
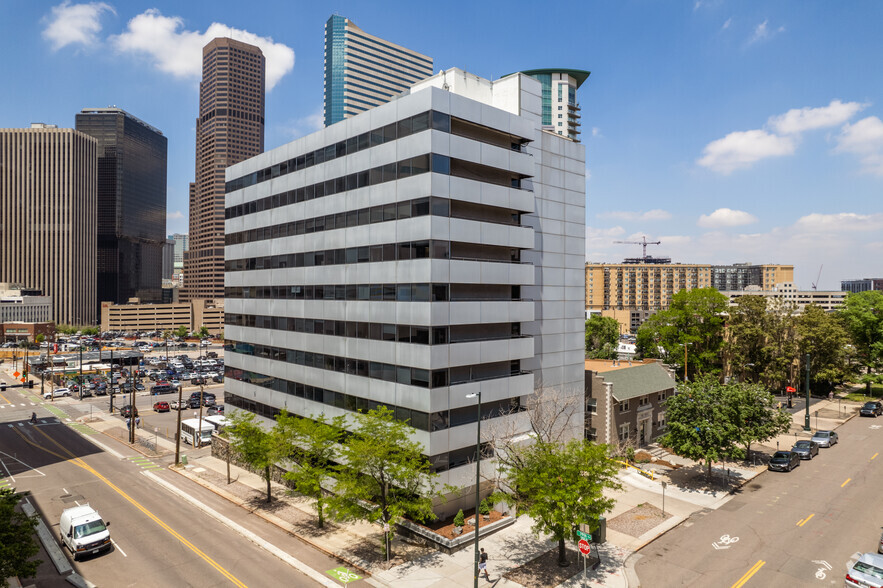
(806, 426)
(477, 477)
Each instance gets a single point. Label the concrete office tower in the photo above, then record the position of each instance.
(178, 261)
(428, 249)
(48, 205)
(230, 128)
(560, 108)
(131, 221)
(363, 71)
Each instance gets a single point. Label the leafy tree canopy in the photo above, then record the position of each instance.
(693, 322)
(17, 542)
(862, 315)
(602, 337)
(258, 447)
(761, 341)
(823, 336)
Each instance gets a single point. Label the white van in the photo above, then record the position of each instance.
(217, 421)
(83, 531)
(189, 428)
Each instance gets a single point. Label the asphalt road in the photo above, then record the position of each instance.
(802, 528)
(160, 539)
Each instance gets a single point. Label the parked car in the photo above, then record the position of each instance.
(826, 438)
(806, 449)
(218, 378)
(880, 545)
(197, 380)
(866, 572)
(784, 461)
(126, 411)
(57, 393)
(219, 409)
(872, 408)
(175, 405)
(161, 406)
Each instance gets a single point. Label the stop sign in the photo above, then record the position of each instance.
(584, 547)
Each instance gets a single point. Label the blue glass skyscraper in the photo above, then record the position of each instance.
(363, 71)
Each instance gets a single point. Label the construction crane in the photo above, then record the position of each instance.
(644, 242)
(815, 285)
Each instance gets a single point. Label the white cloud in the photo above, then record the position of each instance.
(628, 215)
(864, 138)
(727, 24)
(726, 217)
(840, 223)
(179, 52)
(174, 215)
(300, 127)
(72, 24)
(741, 149)
(596, 132)
(798, 120)
(763, 31)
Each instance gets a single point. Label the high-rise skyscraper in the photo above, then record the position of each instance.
(131, 221)
(363, 71)
(48, 206)
(230, 128)
(560, 108)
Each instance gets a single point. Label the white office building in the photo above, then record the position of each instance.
(412, 255)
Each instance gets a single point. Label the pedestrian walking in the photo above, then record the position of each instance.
(482, 564)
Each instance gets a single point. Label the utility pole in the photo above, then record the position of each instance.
(806, 426)
(111, 381)
(201, 392)
(132, 414)
(80, 383)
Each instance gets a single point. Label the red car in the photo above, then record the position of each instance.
(161, 407)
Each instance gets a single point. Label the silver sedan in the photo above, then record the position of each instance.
(825, 438)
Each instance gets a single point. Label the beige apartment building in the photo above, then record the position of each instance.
(788, 294)
(631, 292)
(48, 206)
(135, 316)
(230, 129)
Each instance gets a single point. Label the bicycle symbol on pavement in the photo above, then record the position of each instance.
(344, 575)
(725, 542)
(825, 567)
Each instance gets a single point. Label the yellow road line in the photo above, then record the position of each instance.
(7, 402)
(80, 463)
(846, 482)
(806, 520)
(753, 570)
(875, 455)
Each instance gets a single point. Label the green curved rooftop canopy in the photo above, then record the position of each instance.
(580, 75)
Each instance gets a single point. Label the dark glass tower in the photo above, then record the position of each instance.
(131, 220)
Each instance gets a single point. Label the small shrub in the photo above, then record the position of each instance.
(484, 508)
(459, 519)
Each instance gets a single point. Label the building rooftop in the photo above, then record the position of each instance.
(580, 75)
(633, 380)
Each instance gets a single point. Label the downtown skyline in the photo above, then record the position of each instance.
(730, 132)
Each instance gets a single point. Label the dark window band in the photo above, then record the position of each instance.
(397, 292)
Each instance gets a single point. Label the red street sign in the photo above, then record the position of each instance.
(584, 547)
(790, 389)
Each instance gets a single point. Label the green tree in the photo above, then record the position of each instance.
(40, 338)
(381, 464)
(754, 415)
(258, 447)
(823, 336)
(560, 485)
(313, 445)
(602, 337)
(862, 315)
(203, 332)
(760, 343)
(17, 543)
(182, 331)
(700, 423)
(693, 322)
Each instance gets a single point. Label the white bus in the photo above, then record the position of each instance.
(217, 421)
(189, 428)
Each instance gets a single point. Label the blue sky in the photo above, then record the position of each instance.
(731, 131)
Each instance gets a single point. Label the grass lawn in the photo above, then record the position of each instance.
(876, 394)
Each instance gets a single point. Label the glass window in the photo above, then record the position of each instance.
(376, 214)
(404, 210)
(440, 206)
(420, 122)
(420, 207)
(441, 164)
(404, 128)
(441, 121)
(403, 292)
(420, 164)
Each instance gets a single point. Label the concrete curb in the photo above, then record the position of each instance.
(273, 520)
(55, 553)
(628, 567)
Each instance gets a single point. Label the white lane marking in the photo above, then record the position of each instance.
(77, 502)
(293, 562)
(726, 541)
(116, 546)
(65, 490)
(8, 473)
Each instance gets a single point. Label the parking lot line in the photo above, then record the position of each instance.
(846, 482)
(875, 455)
(802, 522)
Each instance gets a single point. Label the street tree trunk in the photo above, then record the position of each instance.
(269, 492)
(562, 554)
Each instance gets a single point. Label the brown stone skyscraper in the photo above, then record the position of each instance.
(230, 128)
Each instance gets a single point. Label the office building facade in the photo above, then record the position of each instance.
(25, 305)
(230, 128)
(48, 205)
(410, 256)
(561, 111)
(863, 285)
(789, 296)
(131, 220)
(363, 71)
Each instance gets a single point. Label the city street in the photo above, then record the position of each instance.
(783, 529)
(160, 539)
